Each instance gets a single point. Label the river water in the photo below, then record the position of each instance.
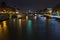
(30, 28)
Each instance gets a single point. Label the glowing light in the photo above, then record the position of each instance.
(17, 12)
(19, 16)
(10, 12)
(52, 16)
(35, 14)
(49, 10)
(57, 11)
(40, 15)
(47, 15)
(20, 22)
(0, 27)
(26, 17)
(4, 24)
(35, 17)
(14, 20)
(2, 12)
(56, 16)
(29, 26)
(5, 12)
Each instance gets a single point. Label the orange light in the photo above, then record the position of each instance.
(0, 28)
(20, 22)
(4, 25)
(35, 17)
(26, 17)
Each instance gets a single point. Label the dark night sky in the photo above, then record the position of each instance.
(32, 4)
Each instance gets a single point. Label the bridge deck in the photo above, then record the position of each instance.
(52, 16)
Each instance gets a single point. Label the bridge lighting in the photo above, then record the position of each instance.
(57, 11)
(35, 14)
(49, 10)
(5, 12)
(10, 12)
(40, 15)
(26, 17)
(35, 17)
(4, 23)
(17, 12)
(19, 16)
(1, 12)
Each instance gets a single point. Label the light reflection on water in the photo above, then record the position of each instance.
(3, 31)
(20, 24)
(0, 28)
(26, 18)
(35, 17)
(29, 26)
(29, 29)
(35, 28)
(4, 25)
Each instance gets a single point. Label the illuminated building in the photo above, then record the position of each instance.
(56, 9)
(4, 9)
(49, 10)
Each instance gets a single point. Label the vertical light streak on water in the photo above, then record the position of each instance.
(3, 31)
(29, 26)
(0, 28)
(35, 24)
(26, 23)
(14, 20)
(1, 34)
(35, 17)
(26, 18)
(29, 29)
(20, 24)
(4, 26)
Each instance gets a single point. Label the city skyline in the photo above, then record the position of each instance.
(24, 5)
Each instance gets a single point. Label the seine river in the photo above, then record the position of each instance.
(30, 28)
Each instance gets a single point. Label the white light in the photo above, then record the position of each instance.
(35, 14)
(19, 16)
(50, 11)
(17, 12)
(2, 12)
(56, 16)
(39, 15)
